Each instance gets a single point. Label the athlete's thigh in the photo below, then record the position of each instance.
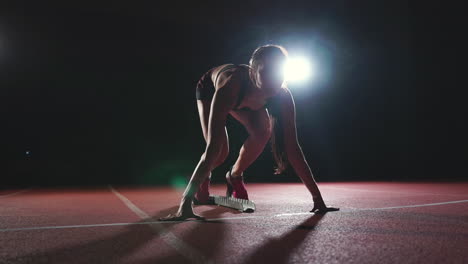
(255, 122)
(204, 107)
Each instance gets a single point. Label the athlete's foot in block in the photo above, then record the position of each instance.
(235, 174)
(240, 193)
(238, 186)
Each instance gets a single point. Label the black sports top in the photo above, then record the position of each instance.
(244, 85)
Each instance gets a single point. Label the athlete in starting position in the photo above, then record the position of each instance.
(257, 96)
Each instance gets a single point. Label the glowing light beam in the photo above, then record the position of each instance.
(298, 69)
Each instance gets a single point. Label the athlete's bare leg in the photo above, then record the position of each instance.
(257, 124)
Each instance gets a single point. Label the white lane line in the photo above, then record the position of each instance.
(183, 248)
(69, 226)
(292, 214)
(15, 193)
(155, 223)
(413, 206)
(396, 192)
(136, 223)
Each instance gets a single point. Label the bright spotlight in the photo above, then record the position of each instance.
(297, 69)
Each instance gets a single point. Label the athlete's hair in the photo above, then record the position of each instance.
(277, 143)
(277, 137)
(270, 50)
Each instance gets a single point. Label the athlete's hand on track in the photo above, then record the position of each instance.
(321, 208)
(185, 212)
(181, 217)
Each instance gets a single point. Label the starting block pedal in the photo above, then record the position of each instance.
(242, 205)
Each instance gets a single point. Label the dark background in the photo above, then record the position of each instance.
(105, 93)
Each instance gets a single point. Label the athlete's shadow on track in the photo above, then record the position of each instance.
(115, 248)
(278, 250)
(206, 237)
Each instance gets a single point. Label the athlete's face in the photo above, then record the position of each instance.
(270, 75)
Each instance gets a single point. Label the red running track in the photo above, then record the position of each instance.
(378, 223)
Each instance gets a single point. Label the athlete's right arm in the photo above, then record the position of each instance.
(223, 101)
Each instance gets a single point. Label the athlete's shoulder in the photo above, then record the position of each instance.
(283, 94)
(226, 74)
(275, 103)
(285, 90)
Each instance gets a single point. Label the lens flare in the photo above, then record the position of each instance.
(298, 69)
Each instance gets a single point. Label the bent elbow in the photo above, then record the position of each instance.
(211, 153)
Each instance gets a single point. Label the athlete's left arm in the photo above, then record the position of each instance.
(287, 112)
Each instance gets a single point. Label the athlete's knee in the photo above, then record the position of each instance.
(261, 135)
(210, 156)
(222, 156)
(260, 130)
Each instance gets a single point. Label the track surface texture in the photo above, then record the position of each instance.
(379, 222)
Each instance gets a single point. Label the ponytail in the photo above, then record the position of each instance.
(277, 138)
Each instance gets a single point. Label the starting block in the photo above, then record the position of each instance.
(242, 205)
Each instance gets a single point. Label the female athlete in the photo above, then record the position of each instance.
(257, 96)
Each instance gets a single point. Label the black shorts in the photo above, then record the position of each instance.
(205, 88)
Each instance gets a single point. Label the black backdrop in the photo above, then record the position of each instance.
(104, 93)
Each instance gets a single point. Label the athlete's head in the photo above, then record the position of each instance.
(267, 64)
